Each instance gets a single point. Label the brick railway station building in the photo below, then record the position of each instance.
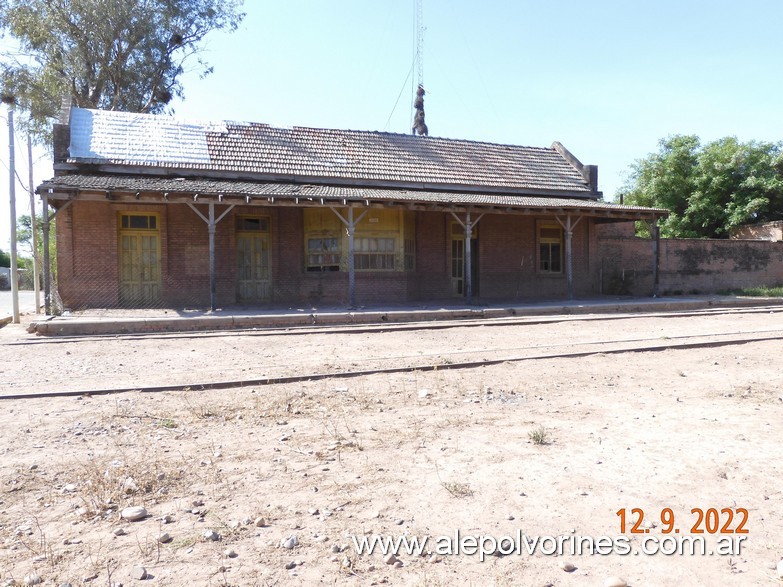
(156, 211)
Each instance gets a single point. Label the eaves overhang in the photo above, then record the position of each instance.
(163, 190)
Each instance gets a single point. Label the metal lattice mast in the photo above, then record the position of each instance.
(420, 41)
(419, 126)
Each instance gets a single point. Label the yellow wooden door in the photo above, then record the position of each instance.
(254, 282)
(139, 268)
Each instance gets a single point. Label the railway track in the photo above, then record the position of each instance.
(451, 360)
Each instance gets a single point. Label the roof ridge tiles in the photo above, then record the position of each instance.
(254, 148)
(225, 122)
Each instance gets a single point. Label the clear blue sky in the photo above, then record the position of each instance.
(607, 78)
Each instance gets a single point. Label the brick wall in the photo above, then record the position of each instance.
(768, 231)
(431, 280)
(87, 252)
(87, 239)
(509, 260)
(689, 266)
(616, 229)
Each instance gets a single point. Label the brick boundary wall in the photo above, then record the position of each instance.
(688, 266)
(768, 231)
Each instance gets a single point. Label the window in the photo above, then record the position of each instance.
(139, 222)
(323, 254)
(384, 240)
(550, 248)
(374, 254)
(252, 224)
(322, 240)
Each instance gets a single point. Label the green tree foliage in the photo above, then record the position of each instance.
(24, 234)
(5, 259)
(110, 54)
(709, 189)
(24, 240)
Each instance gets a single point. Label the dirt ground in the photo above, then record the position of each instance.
(546, 446)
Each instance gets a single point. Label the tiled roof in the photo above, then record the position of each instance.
(307, 154)
(281, 191)
(98, 135)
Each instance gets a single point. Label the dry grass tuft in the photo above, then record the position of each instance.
(108, 484)
(457, 489)
(539, 436)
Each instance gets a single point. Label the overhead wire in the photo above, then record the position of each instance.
(382, 40)
(397, 101)
(19, 180)
(409, 77)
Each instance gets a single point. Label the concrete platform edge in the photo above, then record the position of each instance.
(115, 325)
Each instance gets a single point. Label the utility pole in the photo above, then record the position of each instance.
(12, 195)
(33, 227)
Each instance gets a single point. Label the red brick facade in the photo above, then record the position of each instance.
(507, 257)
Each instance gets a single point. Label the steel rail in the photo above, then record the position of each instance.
(393, 370)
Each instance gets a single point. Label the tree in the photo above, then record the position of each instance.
(24, 263)
(24, 240)
(664, 179)
(24, 235)
(5, 259)
(709, 189)
(24, 232)
(109, 54)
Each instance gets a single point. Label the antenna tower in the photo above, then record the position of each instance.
(419, 127)
(420, 41)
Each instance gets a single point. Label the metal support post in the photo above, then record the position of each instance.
(468, 264)
(34, 228)
(569, 237)
(351, 261)
(212, 278)
(568, 229)
(468, 225)
(211, 225)
(46, 260)
(350, 226)
(656, 243)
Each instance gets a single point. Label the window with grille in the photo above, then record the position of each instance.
(550, 249)
(323, 254)
(374, 254)
(384, 240)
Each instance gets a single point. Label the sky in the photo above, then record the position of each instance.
(606, 78)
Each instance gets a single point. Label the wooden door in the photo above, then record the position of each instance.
(139, 268)
(458, 260)
(458, 266)
(254, 283)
